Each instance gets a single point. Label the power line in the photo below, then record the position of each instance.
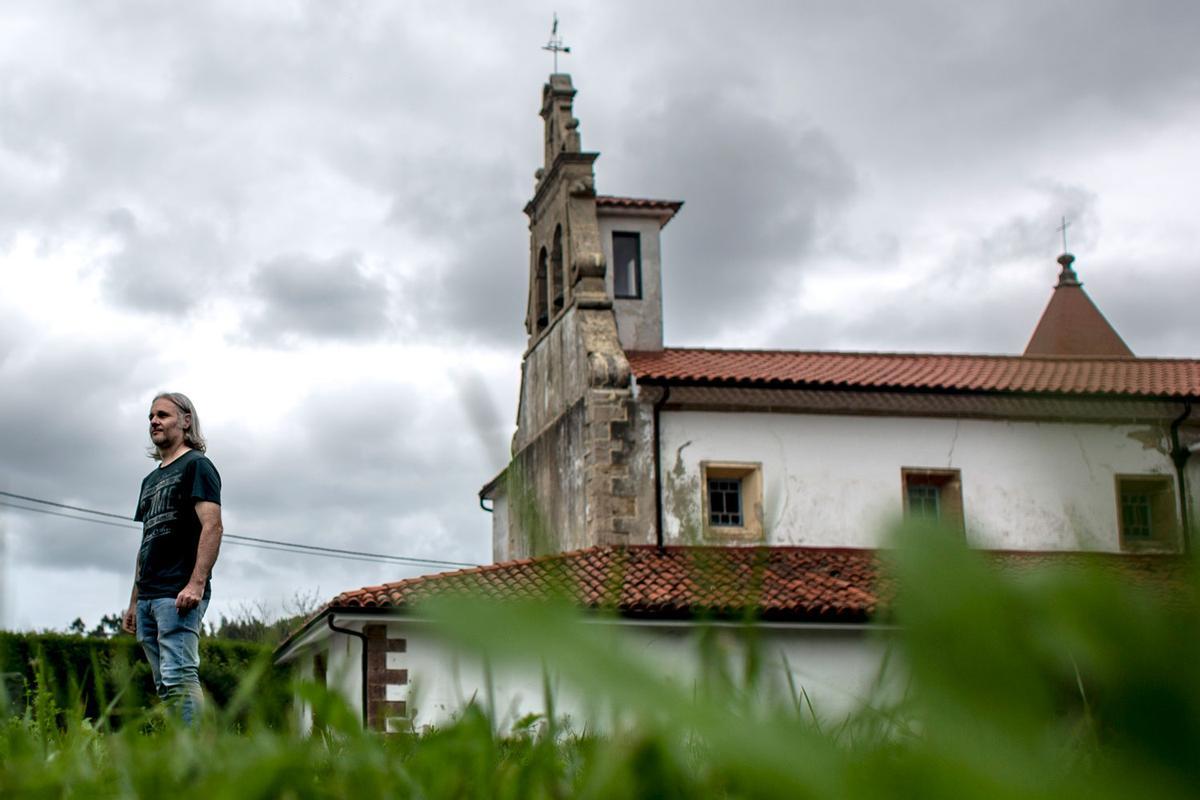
(257, 546)
(359, 553)
(63, 505)
(246, 541)
(68, 516)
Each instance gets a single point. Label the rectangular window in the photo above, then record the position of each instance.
(934, 495)
(732, 500)
(725, 502)
(923, 501)
(1146, 512)
(627, 265)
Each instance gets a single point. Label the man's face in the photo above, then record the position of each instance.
(167, 425)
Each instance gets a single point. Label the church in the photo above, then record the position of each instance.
(674, 483)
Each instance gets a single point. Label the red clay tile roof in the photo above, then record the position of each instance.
(795, 584)
(1133, 377)
(666, 208)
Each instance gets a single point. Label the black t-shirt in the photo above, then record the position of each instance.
(170, 528)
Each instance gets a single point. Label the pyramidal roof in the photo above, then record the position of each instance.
(1071, 325)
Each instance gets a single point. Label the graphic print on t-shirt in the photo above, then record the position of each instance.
(162, 508)
(158, 504)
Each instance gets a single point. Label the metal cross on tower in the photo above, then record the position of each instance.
(555, 45)
(1063, 229)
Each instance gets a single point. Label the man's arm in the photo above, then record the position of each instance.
(206, 555)
(129, 621)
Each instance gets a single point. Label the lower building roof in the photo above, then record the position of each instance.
(793, 584)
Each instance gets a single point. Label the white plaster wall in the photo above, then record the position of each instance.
(836, 666)
(835, 480)
(639, 322)
(500, 543)
(303, 672)
(343, 669)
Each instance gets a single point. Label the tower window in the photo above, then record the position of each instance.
(627, 265)
(540, 299)
(556, 270)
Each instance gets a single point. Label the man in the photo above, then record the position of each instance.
(180, 511)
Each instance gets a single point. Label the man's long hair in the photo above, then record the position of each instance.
(192, 436)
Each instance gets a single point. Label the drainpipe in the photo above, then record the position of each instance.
(1180, 455)
(363, 638)
(658, 486)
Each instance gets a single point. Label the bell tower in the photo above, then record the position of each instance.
(576, 476)
(566, 263)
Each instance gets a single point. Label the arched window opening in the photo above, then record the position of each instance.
(539, 291)
(556, 270)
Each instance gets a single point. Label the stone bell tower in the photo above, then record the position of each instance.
(576, 476)
(566, 262)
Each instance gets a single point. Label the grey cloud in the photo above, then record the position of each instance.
(962, 304)
(169, 271)
(73, 430)
(1151, 320)
(483, 413)
(758, 195)
(479, 296)
(469, 282)
(372, 468)
(301, 297)
(1031, 236)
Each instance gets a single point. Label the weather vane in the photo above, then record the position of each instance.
(1063, 228)
(555, 45)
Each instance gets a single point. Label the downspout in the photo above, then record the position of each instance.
(363, 638)
(658, 485)
(1180, 455)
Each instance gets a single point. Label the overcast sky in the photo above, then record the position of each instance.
(307, 216)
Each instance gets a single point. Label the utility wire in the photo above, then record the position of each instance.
(68, 516)
(246, 541)
(63, 505)
(318, 555)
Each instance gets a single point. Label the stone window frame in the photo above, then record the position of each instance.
(948, 483)
(749, 473)
(1163, 510)
(636, 236)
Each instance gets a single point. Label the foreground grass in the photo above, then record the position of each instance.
(1051, 685)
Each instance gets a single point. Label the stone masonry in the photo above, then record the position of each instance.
(387, 679)
(577, 413)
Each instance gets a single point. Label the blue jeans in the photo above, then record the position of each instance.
(172, 644)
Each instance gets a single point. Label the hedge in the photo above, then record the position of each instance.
(72, 664)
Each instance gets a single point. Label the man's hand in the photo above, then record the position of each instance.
(129, 620)
(190, 597)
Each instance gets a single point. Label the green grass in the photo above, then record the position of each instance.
(1055, 684)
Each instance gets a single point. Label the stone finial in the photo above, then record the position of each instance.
(1067, 276)
(562, 128)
